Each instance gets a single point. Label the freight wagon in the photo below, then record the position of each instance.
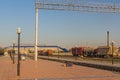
(100, 51)
(82, 51)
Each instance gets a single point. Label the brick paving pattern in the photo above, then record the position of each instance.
(50, 70)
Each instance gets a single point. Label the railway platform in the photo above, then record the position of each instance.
(50, 70)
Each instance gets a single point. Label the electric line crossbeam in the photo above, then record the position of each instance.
(112, 6)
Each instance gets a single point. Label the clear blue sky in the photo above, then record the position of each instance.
(64, 28)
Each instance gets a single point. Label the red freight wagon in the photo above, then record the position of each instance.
(77, 51)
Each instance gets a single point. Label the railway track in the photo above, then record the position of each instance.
(85, 62)
(88, 64)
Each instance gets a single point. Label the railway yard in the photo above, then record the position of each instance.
(65, 46)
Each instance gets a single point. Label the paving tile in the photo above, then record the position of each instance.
(50, 70)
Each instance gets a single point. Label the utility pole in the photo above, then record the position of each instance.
(36, 35)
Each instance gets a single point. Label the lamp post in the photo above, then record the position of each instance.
(58, 53)
(13, 52)
(112, 44)
(18, 65)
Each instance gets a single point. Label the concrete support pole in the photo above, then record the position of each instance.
(36, 35)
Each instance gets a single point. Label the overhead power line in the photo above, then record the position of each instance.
(112, 6)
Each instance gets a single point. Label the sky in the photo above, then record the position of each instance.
(64, 28)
